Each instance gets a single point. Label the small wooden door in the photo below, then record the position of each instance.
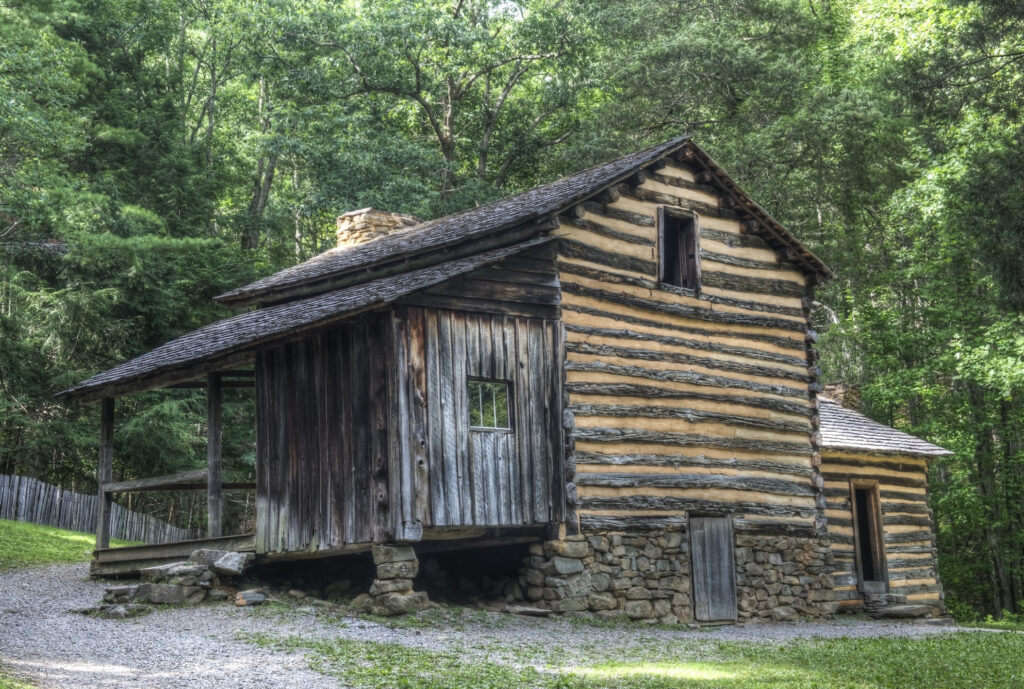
(713, 567)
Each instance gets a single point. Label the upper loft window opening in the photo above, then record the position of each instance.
(679, 248)
(488, 405)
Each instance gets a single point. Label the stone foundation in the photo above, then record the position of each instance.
(784, 577)
(646, 576)
(391, 592)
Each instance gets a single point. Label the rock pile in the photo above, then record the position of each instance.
(177, 583)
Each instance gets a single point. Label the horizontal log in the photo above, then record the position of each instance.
(682, 311)
(501, 274)
(910, 536)
(754, 484)
(651, 196)
(844, 493)
(908, 507)
(765, 527)
(500, 291)
(845, 579)
(689, 330)
(684, 414)
(705, 507)
(726, 259)
(910, 549)
(907, 481)
(629, 435)
(676, 461)
(458, 303)
(887, 520)
(680, 183)
(836, 464)
(590, 523)
(905, 563)
(638, 219)
(743, 283)
(577, 249)
(731, 239)
(186, 480)
(686, 359)
(615, 278)
(652, 392)
(896, 587)
(682, 376)
(605, 231)
(702, 345)
(905, 520)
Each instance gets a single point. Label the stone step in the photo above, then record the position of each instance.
(902, 612)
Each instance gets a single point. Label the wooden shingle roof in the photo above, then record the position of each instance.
(845, 429)
(221, 343)
(491, 219)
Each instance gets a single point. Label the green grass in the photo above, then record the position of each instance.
(7, 682)
(32, 545)
(954, 661)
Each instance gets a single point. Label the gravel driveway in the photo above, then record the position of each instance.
(199, 647)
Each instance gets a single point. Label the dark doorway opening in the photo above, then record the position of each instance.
(868, 535)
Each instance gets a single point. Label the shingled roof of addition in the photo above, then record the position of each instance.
(179, 359)
(529, 206)
(845, 429)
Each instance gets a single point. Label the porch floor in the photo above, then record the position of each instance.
(128, 560)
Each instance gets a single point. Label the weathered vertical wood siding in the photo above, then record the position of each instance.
(479, 477)
(684, 401)
(322, 439)
(907, 525)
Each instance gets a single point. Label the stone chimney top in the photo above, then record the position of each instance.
(843, 394)
(366, 224)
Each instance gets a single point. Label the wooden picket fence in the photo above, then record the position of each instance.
(26, 499)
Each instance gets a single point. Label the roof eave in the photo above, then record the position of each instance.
(941, 452)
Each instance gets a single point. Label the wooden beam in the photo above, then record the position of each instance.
(106, 471)
(214, 479)
(186, 480)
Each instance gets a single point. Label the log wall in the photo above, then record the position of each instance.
(685, 400)
(907, 525)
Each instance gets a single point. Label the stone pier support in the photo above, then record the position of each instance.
(391, 593)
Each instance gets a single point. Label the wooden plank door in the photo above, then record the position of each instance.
(713, 566)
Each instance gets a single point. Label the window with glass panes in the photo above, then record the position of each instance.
(489, 405)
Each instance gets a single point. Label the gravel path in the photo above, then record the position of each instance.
(200, 647)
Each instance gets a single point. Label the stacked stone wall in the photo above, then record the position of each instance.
(646, 576)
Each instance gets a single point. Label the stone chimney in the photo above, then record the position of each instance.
(366, 224)
(843, 394)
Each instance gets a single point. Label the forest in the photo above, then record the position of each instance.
(155, 153)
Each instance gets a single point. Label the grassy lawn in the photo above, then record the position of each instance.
(6, 682)
(30, 545)
(955, 661)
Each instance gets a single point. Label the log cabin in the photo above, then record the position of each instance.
(616, 368)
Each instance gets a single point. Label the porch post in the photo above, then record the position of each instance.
(106, 471)
(213, 450)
